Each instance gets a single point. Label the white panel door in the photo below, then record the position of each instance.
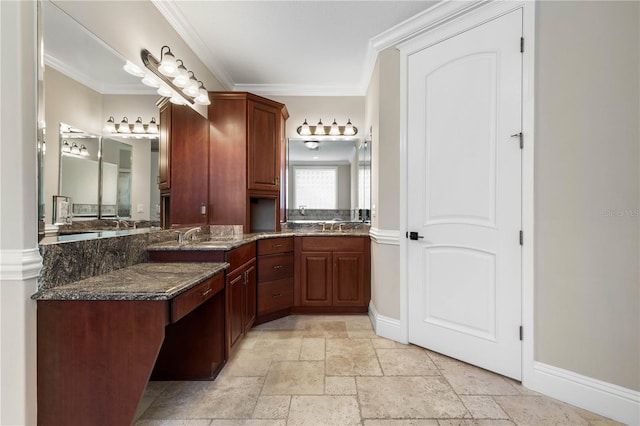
(464, 196)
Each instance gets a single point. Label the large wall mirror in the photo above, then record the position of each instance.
(329, 179)
(81, 86)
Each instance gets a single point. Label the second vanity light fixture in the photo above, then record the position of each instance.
(137, 129)
(321, 130)
(170, 77)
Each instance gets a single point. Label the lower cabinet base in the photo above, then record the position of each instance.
(261, 319)
(329, 310)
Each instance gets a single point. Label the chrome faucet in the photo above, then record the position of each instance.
(302, 207)
(124, 223)
(183, 237)
(323, 225)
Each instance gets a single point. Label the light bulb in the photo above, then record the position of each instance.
(319, 129)
(304, 129)
(165, 91)
(177, 99)
(168, 65)
(153, 126)
(151, 80)
(335, 130)
(84, 151)
(65, 147)
(182, 78)
(110, 127)
(348, 129)
(123, 127)
(75, 149)
(138, 127)
(203, 97)
(133, 69)
(192, 88)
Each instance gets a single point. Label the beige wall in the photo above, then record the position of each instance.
(587, 314)
(383, 116)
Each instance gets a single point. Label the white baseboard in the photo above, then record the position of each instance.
(386, 327)
(603, 398)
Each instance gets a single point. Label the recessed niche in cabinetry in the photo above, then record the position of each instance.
(263, 214)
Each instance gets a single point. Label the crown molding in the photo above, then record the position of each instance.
(299, 90)
(179, 23)
(435, 16)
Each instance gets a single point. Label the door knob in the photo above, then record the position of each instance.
(414, 236)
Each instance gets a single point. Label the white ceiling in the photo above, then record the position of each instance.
(305, 47)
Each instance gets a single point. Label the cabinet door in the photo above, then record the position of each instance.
(250, 295)
(315, 279)
(235, 307)
(348, 279)
(189, 167)
(263, 162)
(164, 145)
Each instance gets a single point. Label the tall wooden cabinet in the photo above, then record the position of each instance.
(183, 165)
(246, 146)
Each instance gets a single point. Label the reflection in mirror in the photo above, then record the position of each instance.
(326, 180)
(82, 84)
(79, 171)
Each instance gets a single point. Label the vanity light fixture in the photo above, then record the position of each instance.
(138, 128)
(133, 69)
(172, 78)
(321, 130)
(123, 127)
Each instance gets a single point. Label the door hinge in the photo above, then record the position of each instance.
(521, 238)
(520, 332)
(521, 44)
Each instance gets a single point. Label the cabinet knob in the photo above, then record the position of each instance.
(278, 266)
(204, 294)
(275, 296)
(277, 245)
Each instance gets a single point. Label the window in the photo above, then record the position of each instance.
(316, 187)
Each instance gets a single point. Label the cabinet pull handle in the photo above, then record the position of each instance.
(206, 292)
(278, 267)
(276, 295)
(277, 245)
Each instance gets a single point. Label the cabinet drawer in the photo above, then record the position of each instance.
(275, 245)
(275, 267)
(275, 295)
(191, 299)
(241, 255)
(333, 244)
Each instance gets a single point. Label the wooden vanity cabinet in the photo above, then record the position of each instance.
(275, 278)
(183, 165)
(246, 138)
(241, 293)
(333, 275)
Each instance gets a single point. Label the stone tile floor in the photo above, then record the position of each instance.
(334, 370)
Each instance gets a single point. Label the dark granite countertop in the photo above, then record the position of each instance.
(230, 243)
(143, 281)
